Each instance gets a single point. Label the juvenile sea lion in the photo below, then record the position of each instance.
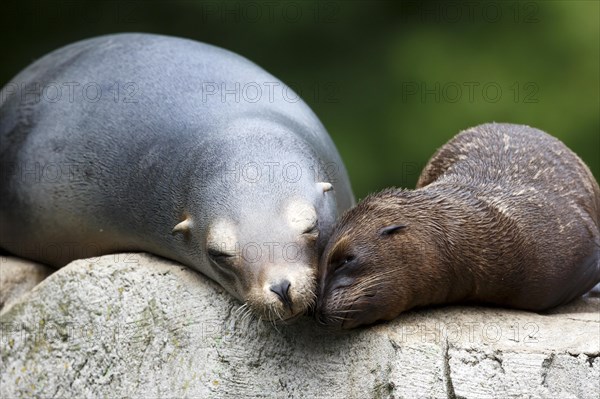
(139, 142)
(502, 214)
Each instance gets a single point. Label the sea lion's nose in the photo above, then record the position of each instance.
(281, 289)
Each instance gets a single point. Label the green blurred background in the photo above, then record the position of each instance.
(391, 80)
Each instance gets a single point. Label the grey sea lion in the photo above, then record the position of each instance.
(141, 142)
(502, 214)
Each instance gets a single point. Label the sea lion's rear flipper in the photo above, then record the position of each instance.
(586, 278)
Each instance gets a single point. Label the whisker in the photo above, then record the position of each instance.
(236, 313)
(248, 315)
(272, 314)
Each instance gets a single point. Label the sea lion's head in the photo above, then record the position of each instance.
(372, 265)
(268, 260)
(260, 228)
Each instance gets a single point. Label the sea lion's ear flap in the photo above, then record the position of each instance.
(324, 186)
(392, 229)
(182, 227)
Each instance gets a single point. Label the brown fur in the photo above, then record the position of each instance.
(502, 214)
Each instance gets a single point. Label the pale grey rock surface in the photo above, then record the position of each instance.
(18, 276)
(134, 325)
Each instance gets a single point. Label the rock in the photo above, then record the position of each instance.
(17, 277)
(134, 325)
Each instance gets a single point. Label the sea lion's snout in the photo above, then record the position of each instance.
(281, 292)
(275, 278)
(338, 272)
(282, 289)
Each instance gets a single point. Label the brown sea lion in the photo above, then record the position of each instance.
(503, 214)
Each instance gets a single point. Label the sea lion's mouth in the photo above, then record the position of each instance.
(290, 319)
(353, 315)
(340, 313)
(278, 318)
(347, 323)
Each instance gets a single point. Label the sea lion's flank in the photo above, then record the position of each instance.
(502, 214)
(139, 142)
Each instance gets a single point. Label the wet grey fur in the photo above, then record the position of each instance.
(136, 161)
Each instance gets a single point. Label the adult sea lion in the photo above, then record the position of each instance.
(140, 142)
(503, 214)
